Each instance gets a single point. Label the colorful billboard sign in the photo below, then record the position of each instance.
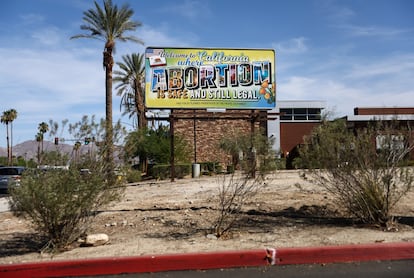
(197, 78)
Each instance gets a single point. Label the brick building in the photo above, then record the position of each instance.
(364, 115)
(202, 130)
(297, 119)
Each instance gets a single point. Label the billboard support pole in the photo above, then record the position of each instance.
(252, 150)
(195, 139)
(172, 170)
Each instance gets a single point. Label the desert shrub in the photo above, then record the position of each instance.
(237, 188)
(361, 168)
(210, 167)
(133, 176)
(163, 171)
(233, 193)
(61, 203)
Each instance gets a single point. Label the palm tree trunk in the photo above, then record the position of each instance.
(108, 62)
(11, 143)
(139, 105)
(8, 144)
(38, 153)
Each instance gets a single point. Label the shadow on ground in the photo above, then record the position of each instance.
(20, 244)
(259, 221)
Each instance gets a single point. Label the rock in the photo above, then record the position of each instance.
(96, 240)
(211, 236)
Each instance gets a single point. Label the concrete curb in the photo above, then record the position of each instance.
(213, 260)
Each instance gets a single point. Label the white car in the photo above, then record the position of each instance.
(10, 175)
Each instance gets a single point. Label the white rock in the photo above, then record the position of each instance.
(96, 239)
(211, 236)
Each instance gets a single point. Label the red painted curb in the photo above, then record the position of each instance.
(346, 253)
(195, 261)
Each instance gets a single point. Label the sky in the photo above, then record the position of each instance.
(347, 53)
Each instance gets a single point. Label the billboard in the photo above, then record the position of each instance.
(197, 78)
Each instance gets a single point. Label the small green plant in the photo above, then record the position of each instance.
(133, 176)
(163, 171)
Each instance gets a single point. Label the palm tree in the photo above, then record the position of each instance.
(76, 152)
(109, 24)
(43, 128)
(8, 117)
(130, 79)
(39, 140)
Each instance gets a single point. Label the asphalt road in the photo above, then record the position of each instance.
(377, 269)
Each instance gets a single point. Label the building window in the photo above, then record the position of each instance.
(393, 142)
(286, 114)
(314, 114)
(300, 114)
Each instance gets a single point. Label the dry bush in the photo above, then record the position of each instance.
(233, 192)
(364, 169)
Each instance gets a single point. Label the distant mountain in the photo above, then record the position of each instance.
(28, 149)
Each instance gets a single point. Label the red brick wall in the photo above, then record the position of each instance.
(210, 129)
(384, 111)
(291, 134)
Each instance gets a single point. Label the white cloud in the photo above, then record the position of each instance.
(292, 46)
(190, 9)
(389, 65)
(373, 31)
(29, 19)
(47, 36)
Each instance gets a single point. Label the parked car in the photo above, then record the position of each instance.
(10, 175)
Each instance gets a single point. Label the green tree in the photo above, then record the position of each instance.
(361, 168)
(7, 118)
(55, 158)
(131, 87)
(109, 24)
(155, 145)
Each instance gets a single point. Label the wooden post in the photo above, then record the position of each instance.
(172, 170)
(252, 150)
(195, 138)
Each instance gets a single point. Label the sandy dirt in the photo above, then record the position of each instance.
(160, 217)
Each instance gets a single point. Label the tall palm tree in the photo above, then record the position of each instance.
(43, 128)
(76, 152)
(109, 24)
(7, 118)
(130, 87)
(39, 140)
